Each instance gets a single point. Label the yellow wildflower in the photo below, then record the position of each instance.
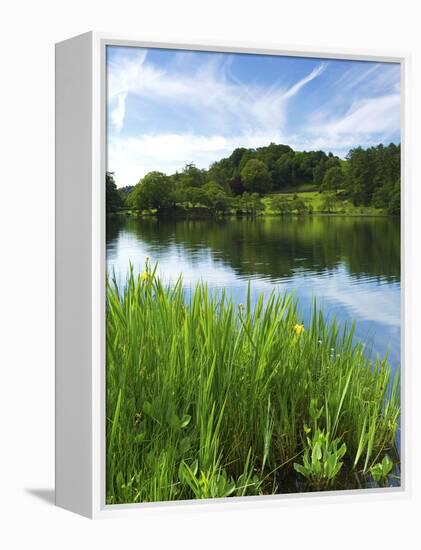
(298, 329)
(144, 276)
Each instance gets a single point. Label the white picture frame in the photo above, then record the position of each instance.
(80, 277)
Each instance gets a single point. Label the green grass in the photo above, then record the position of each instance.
(301, 188)
(315, 199)
(208, 399)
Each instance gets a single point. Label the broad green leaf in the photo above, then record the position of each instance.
(185, 421)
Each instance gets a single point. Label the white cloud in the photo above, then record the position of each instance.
(372, 79)
(353, 76)
(118, 110)
(209, 90)
(311, 76)
(211, 94)
(222, 112)
(362, 109)
(366, 122)
(132, 158)
(370, 116)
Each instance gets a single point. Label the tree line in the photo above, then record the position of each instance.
(367, 177)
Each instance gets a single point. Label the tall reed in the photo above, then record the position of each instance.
(207, 398)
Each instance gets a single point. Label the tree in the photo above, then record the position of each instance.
(281, 204)
(361, 175)
(394, 206)
(154, 191)
(257, 205)
(329, 202)
(126, 190)
(113, 199)
(318, 173)
(195, 195)
(370, 170)
(367, 177)
(333, 179)
(284, 171)
(382, 196)
(191, 176)
(256, 177)
(270, 154)
(303, 169)
(179, 195)
(236, 185)
(250, 204)
(218, 173)
(215, 198)
(234, 160)
(299, 205)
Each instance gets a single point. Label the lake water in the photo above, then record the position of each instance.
(350, 264)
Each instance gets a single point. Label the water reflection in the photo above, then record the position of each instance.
(351, 265)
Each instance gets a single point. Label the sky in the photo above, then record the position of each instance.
(168, 108)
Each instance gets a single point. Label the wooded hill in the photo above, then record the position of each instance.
(367, 177)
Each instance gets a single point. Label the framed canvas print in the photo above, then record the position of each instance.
(229, 258)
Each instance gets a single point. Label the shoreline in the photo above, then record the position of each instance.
(131, 214)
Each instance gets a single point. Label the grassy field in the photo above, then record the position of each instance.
(206, 398)
(314, 199)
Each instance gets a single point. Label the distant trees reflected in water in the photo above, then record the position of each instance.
(276, 248)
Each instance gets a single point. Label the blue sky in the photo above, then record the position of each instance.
(167, 108)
